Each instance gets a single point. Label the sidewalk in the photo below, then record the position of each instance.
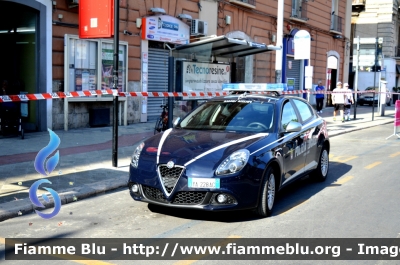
(85, 168)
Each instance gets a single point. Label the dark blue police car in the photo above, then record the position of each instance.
(232, 152)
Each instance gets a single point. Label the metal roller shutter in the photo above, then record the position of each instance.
(294, 72)
(157, 81)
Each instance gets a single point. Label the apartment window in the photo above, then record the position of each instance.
(336, 20)
(299, 10)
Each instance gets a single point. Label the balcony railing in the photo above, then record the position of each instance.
(299, 9)
(336, 23)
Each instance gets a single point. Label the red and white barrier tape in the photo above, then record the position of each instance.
(88, 93)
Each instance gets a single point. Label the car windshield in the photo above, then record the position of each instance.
(231, 115)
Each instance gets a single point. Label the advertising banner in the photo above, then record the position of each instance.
(107, 65)
(165, 29)
(204, 77)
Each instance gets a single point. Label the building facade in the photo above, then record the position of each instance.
(47, 56)
(376, 19)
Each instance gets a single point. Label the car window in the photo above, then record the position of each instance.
(231, 115)
(288, 115)
(304, 110)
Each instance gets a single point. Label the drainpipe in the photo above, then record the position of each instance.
(279, 33)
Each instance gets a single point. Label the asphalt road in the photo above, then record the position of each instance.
(360, 199)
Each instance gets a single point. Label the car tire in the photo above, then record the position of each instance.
(321, 172)
(267, 198)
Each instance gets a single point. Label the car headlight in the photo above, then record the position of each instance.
(136, 155)
(234, 163)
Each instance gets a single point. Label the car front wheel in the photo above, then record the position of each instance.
(320, 173)
(267, 198)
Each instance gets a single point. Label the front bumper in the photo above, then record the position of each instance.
(194, 199)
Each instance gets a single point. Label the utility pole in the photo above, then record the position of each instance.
(375, 69)
(115, 86)
(279, 37)
(356, 77)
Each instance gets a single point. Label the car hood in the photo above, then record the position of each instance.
(187, 146)
(369, 95)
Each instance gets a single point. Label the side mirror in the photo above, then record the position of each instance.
(293, 126)
(176, 121)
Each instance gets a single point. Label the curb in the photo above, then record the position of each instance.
(13, 209)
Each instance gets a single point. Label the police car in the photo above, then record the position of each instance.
(232, 152)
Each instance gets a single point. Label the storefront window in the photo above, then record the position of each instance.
(82, 65)
(90, 64)
(107, 64)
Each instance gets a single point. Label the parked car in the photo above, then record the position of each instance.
(368, 98)
(232, 152)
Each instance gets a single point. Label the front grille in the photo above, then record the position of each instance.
(189, 197)
(154, 194)
(169, 176)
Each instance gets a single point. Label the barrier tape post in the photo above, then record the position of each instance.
(396, 120)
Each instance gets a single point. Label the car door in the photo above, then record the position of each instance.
(309, 135)
(292, 144)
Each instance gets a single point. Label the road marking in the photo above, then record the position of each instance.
(341, 181)
(198, 257)
(341, 159)
(83, 260)
(291, 207)
(373, 165)
(395, 154)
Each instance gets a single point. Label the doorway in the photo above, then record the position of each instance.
(18, 43)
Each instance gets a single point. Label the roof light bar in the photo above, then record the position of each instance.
(255, 87)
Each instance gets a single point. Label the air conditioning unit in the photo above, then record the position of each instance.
(198, 27)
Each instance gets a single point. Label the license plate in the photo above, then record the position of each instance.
(204, 183)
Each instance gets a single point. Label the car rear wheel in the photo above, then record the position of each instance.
(267, 198)
(320, 173)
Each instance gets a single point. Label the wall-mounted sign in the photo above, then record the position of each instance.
(201, 77)
(96, 19)
(290, 84)
(165, 29)
(332, 62)
(302, 43)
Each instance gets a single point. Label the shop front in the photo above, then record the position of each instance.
(25, 42)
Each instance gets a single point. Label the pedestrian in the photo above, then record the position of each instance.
(348, 100)
(4, 88)
(338, 100)
(319, 96)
